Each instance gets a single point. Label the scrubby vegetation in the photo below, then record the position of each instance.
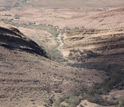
(81, 56)
(74, 99)
(115, 80)
(54, 53)
(71, 100)
(114, 72)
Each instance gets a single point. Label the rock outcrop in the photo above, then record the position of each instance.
(94, 46)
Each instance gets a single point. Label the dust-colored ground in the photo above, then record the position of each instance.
(58, 50)
(30, 80)
(98, 18)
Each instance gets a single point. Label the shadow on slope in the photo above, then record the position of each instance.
(13, 39)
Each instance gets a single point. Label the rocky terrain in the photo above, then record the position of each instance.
(29, 78)
(90, 45)
(61, 53)
(98, 49)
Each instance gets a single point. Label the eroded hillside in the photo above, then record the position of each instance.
(61, 53)
(90, 45)
(29, 79)
(98, 49)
